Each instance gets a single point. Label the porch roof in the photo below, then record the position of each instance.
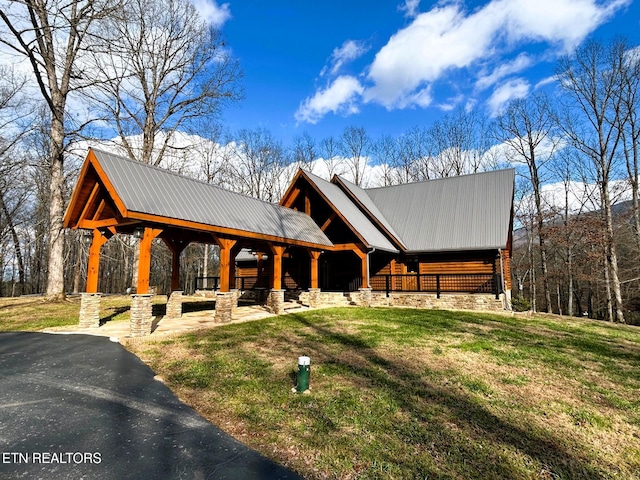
(114, 191)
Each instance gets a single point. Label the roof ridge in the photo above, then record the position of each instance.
(429, 180)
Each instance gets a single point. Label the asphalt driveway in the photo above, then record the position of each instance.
(80, 406)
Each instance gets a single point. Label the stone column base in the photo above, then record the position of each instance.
(174, 304)
(365, 297)
(275, 301)
(141, 315)
(89, 310)
(226, 303)
(314, 297)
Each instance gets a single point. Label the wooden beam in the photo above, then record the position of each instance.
(90, 202)
(94, 261)
(328, 221)
(354, 247)
(315, 255)
(144, 264)
(307, 202)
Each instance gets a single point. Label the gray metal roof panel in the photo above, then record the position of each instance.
(147, 189)
(352, 214)
(468, 212)
(364, 199)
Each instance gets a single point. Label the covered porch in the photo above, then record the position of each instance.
(115, 195)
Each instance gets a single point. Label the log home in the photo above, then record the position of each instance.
(409, 244)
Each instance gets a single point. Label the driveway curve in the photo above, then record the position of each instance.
(81, 406)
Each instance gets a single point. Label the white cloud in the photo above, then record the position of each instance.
(448, 39)
(520, 63)
(410, 8)
(347, 52)
(339, 97)
(212, 13)
(510, 90)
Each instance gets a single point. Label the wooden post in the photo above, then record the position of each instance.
(226, 267)
(176, 247)
(392, 267)
(314, 254)
(260, 267)
(277, 252)
(144, 264)
(94, 260)
(364, 266)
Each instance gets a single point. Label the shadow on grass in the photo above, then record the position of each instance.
(114, 313)
(449, 426)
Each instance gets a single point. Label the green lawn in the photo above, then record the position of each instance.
(400, 393)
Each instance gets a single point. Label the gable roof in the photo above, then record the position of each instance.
(361, 198)
(354, 217)
(467, 212)
(142, 191)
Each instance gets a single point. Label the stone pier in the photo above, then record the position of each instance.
(275, 301)
(314, 297)
(365, 297)
(226, 303)
(141, 315)
(89, 310)
(174, 304)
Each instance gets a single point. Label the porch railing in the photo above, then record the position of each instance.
(437, 283)
(408, 282)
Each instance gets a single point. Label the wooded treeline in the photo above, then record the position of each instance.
(153, 79)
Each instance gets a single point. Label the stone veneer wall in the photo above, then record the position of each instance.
(446, 301)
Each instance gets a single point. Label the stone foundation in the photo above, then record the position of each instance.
(275, 302)
(141, 315)
(174, 305)
(226, 303)
(89, 310)
(445, 302)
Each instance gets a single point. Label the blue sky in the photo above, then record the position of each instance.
(391, 65)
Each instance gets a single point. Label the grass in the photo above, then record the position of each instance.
(33, 313)
(419, 394)
(405, 394)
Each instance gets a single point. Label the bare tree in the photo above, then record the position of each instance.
(304, 151)
(526, 130)
(163, 67)
(354, 146)
(51, 36)
(329, 149)
(591, 79)
(629, 125)
(257, 164)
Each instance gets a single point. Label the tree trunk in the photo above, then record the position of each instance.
(55, 279)
(611, 255)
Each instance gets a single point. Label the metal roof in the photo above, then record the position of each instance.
(352, 214)
(468, 212)
(363, 198)
(151, 190)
